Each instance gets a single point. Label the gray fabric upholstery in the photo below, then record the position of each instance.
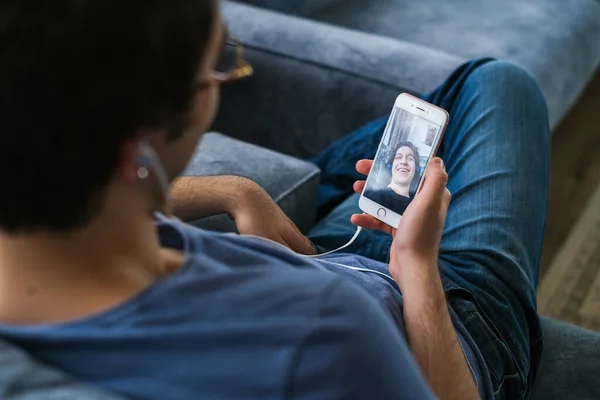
(315, 83)
(557, 41)
(299, 7)
(22, 378)
(570, 363)
(292, 183)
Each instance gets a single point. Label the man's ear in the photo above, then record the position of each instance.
(131, 157)
(127, 165)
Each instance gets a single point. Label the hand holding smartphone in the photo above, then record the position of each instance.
(411, 138)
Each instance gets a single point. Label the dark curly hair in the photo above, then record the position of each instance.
(77, 78)
(417, 177)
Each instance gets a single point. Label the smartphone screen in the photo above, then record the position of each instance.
(409, 141)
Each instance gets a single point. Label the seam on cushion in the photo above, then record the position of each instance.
(320, 65)
(297, 185)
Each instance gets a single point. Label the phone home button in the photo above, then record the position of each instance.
(381, 212)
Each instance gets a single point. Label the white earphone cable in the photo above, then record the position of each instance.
(358, 230)
(386, 276)
(368, 270)
(163, 217)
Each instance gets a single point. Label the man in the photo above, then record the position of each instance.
(404, 169)
(405, 173)
(102, 104)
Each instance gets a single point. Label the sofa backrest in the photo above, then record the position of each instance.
(296, 7)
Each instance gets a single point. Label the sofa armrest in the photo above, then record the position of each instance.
(315, 82)
(291, 182)
(570, 363)
(24, 378)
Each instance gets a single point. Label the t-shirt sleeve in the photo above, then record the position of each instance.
(354, 351)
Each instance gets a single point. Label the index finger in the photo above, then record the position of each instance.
(295, 240)
(364, 166)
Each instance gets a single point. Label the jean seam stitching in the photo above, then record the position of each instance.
(514, 348)
(505, 378)
(500, 337)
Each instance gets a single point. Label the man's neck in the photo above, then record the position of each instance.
(401, 190)
(52, 277)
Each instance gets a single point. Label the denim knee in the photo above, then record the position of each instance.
(505, 77)
(508, 86)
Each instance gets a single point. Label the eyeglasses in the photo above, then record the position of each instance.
(231, 65)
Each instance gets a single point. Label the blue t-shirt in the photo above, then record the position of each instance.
(246, 318)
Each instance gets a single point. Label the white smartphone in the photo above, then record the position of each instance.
(412, 136)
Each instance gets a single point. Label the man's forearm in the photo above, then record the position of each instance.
(203, 196)
(433, 339)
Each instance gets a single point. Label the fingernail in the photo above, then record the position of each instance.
(438, 161)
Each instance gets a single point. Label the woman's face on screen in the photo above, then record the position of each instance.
(403, 168)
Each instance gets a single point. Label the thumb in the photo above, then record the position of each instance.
(436, 179)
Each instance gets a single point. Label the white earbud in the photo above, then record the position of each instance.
(148, 160)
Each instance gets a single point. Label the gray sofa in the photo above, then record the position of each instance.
(316, 81)
(386, 46)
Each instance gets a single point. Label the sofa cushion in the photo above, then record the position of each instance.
(557, 41)
(293, 183)
(23, 378)
(570, 363)
(298, 7)
(315, 82)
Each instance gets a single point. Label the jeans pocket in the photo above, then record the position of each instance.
(508, 379)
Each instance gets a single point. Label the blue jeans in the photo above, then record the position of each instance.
(496, 150)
